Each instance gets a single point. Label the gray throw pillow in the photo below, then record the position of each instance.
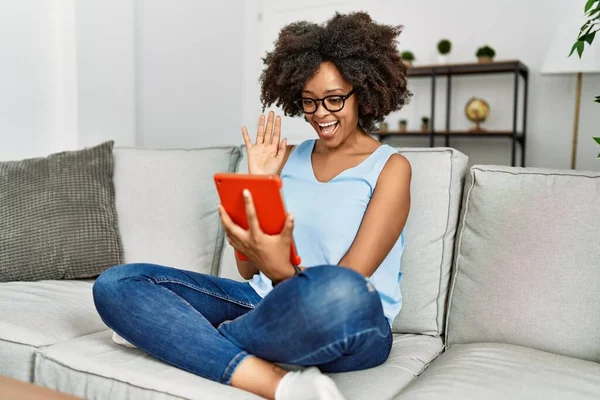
(57, 216)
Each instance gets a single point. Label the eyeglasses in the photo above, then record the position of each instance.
(331, 103)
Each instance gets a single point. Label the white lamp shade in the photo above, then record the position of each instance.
(557, 60)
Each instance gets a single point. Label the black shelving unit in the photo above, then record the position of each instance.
(433, 72)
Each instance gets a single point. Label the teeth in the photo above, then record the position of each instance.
(328, 124)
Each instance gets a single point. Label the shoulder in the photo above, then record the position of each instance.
(397, 171)
(288, 150)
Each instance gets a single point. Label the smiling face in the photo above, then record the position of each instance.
(332, 127)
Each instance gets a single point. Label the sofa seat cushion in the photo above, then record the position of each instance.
(38, 314)
(95, 367)
(503, 371)
(410, 355)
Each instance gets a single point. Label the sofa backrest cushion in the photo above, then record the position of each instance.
(527, 268)
(438, 178)
(167, 205)
(436, 192)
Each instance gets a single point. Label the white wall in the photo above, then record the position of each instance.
(140, 72)
(105, 55)
(29, 115)
(189, 64)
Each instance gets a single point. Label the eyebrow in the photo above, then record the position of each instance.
(327, 91)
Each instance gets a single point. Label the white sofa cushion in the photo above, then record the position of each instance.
(500, 371)
(410, 355)
(38, 314)
(527, 270)
(167, 205)
(95, 367)
(436, 193)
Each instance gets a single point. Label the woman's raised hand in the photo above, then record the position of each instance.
(266, 156)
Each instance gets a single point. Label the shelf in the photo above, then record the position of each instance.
(468, 69)
(448, 133)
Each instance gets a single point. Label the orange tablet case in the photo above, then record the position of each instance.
(267, 198)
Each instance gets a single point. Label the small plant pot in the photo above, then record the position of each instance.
(485, 60)
(442, 59)
(402, 126)
(425, 126)
(407, 63)
(383, 127)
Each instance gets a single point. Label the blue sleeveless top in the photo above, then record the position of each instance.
(327, 217)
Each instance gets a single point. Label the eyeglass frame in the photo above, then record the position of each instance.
(322, 101)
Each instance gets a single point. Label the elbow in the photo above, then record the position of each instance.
(246, 275)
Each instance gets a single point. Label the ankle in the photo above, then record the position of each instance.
(258, 376)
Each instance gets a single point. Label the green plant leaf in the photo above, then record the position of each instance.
(597, 99)
(579, 47)
(572, 48)
(589, 4)
(589, 29)
(594, 11)
(590, 37)
(597, 139)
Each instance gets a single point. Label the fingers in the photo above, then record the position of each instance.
(288, 228)
(253, 224)
(246, 137)
(260, 134)
(282, 146)
(235, 243)
(231, 228)
(277, 131)
(269, 129)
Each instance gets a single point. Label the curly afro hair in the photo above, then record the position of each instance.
(364, 52)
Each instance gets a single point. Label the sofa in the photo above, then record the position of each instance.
(501, 285)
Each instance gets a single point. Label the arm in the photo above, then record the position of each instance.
(384, 219)
(247, 269)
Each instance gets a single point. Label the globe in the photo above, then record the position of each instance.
(477, 110)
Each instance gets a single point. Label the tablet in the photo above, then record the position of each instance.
(267, 198)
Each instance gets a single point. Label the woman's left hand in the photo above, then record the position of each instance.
(270, 253)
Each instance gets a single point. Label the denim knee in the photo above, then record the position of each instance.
(340, 293)
(105, 285)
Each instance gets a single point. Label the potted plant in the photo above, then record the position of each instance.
(444, 47)
(425, 124)
(485, 54)
(383, 127)
(402, 125)
(407, 57)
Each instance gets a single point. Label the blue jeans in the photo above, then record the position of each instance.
(328, 316)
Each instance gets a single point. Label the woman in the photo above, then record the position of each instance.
(350, 199)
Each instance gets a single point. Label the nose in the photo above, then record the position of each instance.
(321, 110)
